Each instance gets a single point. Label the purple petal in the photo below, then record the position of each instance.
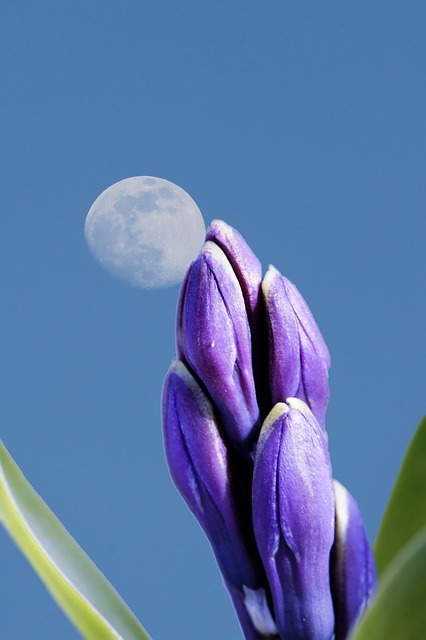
(217, 343)
(248, 271)
(293, 517)
(246, 267)
(200, 463)
(353, 571)
(284, 347)
(299, 358)
(243, 261)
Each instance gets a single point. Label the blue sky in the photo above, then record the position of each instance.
(301, 124)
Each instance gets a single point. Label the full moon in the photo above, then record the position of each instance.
(145, 231)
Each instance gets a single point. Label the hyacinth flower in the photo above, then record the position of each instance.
(243, 417)
(264, 495)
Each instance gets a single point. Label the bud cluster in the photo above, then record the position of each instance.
(244, 408)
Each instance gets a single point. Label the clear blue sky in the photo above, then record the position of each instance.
(300, 123)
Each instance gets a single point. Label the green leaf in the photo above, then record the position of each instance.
(72, 578)
(398, 609)
(405, 515)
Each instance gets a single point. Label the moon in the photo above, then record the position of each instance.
(145, 231)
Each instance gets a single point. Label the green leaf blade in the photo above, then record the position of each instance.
(405, 514)
(75, 582)
(398, 609)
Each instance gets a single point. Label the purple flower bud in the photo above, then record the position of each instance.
(200, 463)
(243, 261)
(245, 345)
(353, 572)
(248, 271)
(299, 358)
(293, 517)
(215, 341)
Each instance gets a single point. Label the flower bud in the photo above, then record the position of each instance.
(298, 356)
(248, 271)
(215, 342)
(244, 263)
(293, 518)
(353, 573)
(292, 550)
(200, 464)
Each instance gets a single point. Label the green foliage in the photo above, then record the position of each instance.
(398, 610)
(405, 515)
(78, 586)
